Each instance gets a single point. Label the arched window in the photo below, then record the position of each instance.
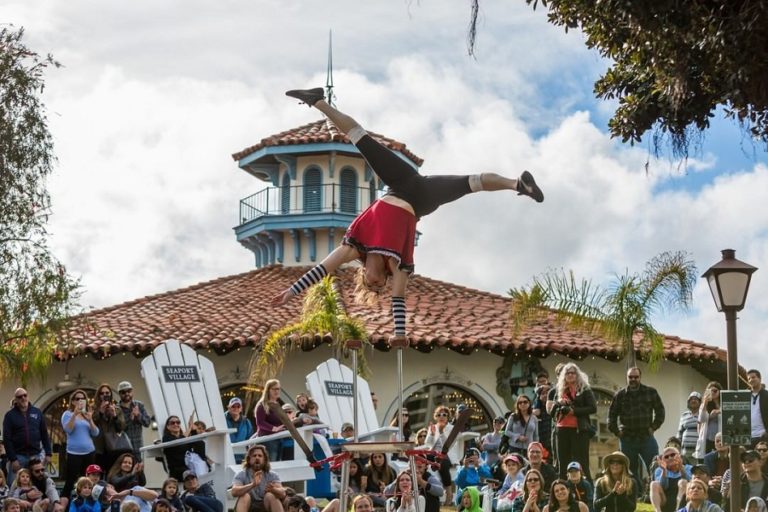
(348, 193)
(285, 195)
(312, 196)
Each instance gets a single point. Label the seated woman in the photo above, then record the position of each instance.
(696, 496)
(513, 482)
(174, 456)
(615, 491)
(533, 499)
(406, 497)
(376, 476)
(126, 473)
(561, 499)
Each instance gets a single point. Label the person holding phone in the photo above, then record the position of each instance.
(80, 430)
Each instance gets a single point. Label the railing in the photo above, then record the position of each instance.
(300, 199)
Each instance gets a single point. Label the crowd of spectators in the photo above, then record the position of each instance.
(533, 459)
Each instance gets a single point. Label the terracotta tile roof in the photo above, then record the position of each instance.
(232, 312)
(319, 132)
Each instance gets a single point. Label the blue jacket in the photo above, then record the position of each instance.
(25, 433)
(244, 428)
(80, 504)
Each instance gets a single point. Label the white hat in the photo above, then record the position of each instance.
(125, 385)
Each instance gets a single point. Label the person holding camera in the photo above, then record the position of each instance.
(574, 403)
(108, 417)
(80, 430)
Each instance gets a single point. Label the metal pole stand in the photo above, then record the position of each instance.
(399, 343)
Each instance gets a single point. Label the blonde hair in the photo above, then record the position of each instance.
(607, 482)
(82, 482)
(362, 293)
(22, 471)
(129, 506)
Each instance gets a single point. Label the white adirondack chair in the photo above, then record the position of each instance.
(180, 382)
(296, 470)
(331, 387)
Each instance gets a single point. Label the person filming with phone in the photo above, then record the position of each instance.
(80, 429)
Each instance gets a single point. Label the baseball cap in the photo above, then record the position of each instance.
(93, 468)
(499, 419)
(188, 474)
(123, 386)
(347, 426)
(288, 407)
(98, 493)
(514, 458)
(694, 394)
(234, 400)
(574, 465)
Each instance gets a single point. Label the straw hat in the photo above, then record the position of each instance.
(615, 457)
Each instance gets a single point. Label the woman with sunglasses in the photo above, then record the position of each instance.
(383, 236)
(80, 430)
(437, 433)
(406, 423)
(110, 420)
(709, 420)
(522, 426)
(533, 498)
(174, 456)
(615, 491)
(561, 499)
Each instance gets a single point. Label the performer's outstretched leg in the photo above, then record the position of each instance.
(436, 190)
(392, 170)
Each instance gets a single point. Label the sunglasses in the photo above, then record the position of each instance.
(125, 391)
(526, 402)
(762, 450)
(22, 396)
(533, 479)
(439, 415)
(37, 471)
(174, 422)
(670, 455)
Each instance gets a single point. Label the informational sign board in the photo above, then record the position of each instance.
(181, 374)
(338, 388)
(735, 417)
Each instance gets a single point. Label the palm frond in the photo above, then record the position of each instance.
(669, 281)
(322, 314)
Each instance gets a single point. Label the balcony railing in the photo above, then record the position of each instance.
(300, 199)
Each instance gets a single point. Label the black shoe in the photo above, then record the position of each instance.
(308, 96)
(526, 186)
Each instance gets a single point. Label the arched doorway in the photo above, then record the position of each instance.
(422, 403)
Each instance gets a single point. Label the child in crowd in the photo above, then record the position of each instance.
(83, 500)
(579, 486)
(23, 490)
(170, 493)
(311, 414)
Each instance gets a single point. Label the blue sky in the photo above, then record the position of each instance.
(154, 98)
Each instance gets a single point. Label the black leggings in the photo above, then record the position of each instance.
(74, 469)
(572, 445)
(424, 193)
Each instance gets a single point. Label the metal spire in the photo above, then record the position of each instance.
(329, 75)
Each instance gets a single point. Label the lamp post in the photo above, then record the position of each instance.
(728, 281)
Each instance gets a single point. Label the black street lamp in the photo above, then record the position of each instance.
(728, 281)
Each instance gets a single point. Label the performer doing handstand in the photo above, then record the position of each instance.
(382, 236)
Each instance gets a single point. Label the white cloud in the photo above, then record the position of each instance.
(155, 97)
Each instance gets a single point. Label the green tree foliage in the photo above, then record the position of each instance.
(674, 62)
(37, 296)
(322, 316)
(618, 313)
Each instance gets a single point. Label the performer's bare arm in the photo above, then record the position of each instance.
(342, 254)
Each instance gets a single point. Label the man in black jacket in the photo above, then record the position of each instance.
(25, 435)
(759, 407)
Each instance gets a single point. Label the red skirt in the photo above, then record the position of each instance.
(384, 229)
